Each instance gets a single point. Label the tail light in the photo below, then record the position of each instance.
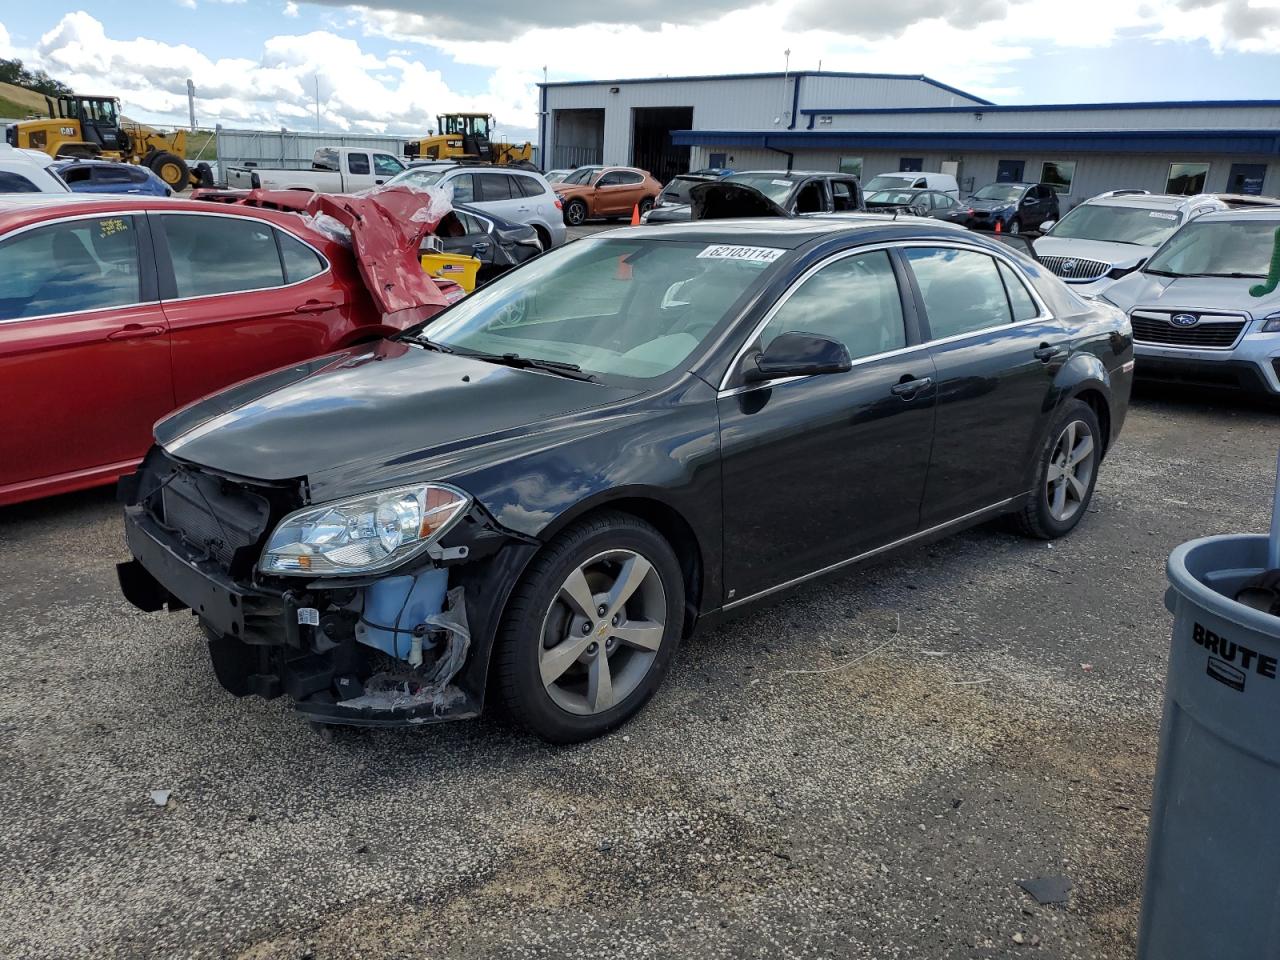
(559, 204)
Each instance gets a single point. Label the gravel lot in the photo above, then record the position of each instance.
(987, 713)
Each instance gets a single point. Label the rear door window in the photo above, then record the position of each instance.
(300, 261)
(112, 175)
(493, 186)
(961, 289)
(70, 267)
(1023, 304)
(216, 254)
(357, 163)
(529, 187)
(844, 195)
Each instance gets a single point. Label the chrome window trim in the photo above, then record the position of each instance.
(235, 293)
(67, 219)
(867, 554)
(1044, 314)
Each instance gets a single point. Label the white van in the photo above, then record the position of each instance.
(906, 180)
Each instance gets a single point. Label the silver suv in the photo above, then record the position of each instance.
(1109, 236)
(523, 196)
(1204, 308)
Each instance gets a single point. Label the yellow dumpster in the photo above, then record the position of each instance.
(452, 266)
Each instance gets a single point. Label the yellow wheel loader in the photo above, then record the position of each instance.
(92, 128)
(465, 136)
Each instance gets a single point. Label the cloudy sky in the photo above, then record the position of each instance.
(392, 65)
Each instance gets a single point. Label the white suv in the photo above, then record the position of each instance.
(27, 171)
(523, 196)
(1111, 235)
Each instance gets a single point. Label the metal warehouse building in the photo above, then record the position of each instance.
(870, 123)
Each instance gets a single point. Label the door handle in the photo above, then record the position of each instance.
(315, 306)
(480, 247)
(1047, 353)
(135, 331)
(908, 387)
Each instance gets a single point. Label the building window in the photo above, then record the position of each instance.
(1058, 174)
(911, 164)
(851, 166)
(1187, 179)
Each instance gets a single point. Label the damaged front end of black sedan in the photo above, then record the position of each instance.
(373, 650)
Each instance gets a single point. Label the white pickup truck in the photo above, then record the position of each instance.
(333, 170)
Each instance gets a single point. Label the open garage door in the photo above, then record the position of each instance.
(651, 146)
(579, 139)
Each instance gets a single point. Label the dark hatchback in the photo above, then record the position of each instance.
(1015, 207)
(546, 488)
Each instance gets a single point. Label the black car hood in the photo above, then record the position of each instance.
(990, 204)
(722, 200)
(362, 412)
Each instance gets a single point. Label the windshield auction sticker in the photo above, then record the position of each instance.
(727, 251)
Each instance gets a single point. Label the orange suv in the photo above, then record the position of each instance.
(605, 192)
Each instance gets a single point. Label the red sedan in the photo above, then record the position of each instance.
(115, 311)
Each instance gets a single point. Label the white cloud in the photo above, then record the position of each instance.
(290, 9)
(357, 90)
(188, 4)
(6, 48)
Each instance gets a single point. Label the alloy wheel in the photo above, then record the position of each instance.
(602, 632)
(1015, 227)
(1070, 472)
(575, 213)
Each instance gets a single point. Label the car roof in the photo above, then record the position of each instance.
(1251, 213)
(22, 209)
(786, 232)
(789, 174)
(1144, 200)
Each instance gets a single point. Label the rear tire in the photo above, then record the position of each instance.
(646, 205)
(568, 673)
(1065, 475)
(1015, 227)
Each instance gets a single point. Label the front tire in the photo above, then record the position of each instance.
(1015, 227)
(1066, 473)
(575, 213)
(591, 628)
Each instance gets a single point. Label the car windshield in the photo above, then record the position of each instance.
(893, 197)
(775, 186)
(1116, 224)
(677, 191)
(582, 175)
(1217, 248)
(888, 181)
(998, 191)
(630, 308)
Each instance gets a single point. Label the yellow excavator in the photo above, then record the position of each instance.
(92, 128)
(465, 136)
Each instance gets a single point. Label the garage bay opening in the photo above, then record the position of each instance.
(651, 146)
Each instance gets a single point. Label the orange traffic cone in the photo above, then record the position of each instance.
(635, 215)
(998, 230)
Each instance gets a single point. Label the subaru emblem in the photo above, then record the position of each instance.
(1184, 319)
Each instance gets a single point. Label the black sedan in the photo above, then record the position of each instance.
(499, 244)
(920, 203)
(547, 487)
(1014, 207)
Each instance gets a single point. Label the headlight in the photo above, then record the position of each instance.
(362, 534)
(1271, 324)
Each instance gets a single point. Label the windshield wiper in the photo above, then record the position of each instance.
(1164, 273)
(570, 370)
(1231, 276)
(424, 341)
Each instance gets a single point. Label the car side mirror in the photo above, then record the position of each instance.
(1048, 225)
(797, 354)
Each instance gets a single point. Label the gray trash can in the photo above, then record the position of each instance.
(1213, 855)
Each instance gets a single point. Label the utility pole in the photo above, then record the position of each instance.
(316, 77)
(191, 103)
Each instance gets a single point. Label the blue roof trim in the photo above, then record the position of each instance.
(777, 75)
(1043, 107)
(1244, 142)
